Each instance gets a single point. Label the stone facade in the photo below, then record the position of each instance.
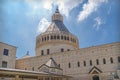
(73, 57)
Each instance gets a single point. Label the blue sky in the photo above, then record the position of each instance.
(94, 22)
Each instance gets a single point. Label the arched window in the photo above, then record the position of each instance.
(42, 52)
(62, 50)
(95, 77)
(48, 51)
(111, 60)
(78, 63)
(90, 62)
(69, 65)
(84, 62)
(118, 59)
(104, 61)
(97, 61)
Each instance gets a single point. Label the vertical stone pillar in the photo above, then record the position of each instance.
(16, 77)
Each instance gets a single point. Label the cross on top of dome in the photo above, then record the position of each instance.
(57, 10)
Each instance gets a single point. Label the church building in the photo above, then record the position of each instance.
(58, 57)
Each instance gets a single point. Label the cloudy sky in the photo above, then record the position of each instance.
(94, 22)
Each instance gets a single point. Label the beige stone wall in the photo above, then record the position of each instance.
(54, 48)
(11, 58)
(86, 54)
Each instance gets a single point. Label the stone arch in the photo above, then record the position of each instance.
(95, 77)
(95, 73)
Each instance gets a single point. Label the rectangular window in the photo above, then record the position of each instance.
(6, 51)
(69, 65)
(84, 63)
(119, 59)
(48, 51)
(68, 49)
(78, 64)
(42, 52)
(104, 61)
(97, 62)
(59, 65)
(90, 62)
(4, 64)
(111, 60)
(62, 50)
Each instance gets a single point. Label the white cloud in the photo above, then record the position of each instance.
(65, 6)
(89, 7)
(47, 4)
(43, 25)
(98, 23)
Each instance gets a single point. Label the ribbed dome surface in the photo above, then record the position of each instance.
(57, 26)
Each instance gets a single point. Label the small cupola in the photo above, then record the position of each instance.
(57, 16)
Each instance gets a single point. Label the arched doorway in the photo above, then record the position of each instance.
(96, 77)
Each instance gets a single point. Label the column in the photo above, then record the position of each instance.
(16, 77)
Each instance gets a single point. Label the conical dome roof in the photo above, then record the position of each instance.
(57, 24)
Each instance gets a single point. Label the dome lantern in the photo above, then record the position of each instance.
(57, 16)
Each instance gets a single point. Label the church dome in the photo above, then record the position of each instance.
(56, 37)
